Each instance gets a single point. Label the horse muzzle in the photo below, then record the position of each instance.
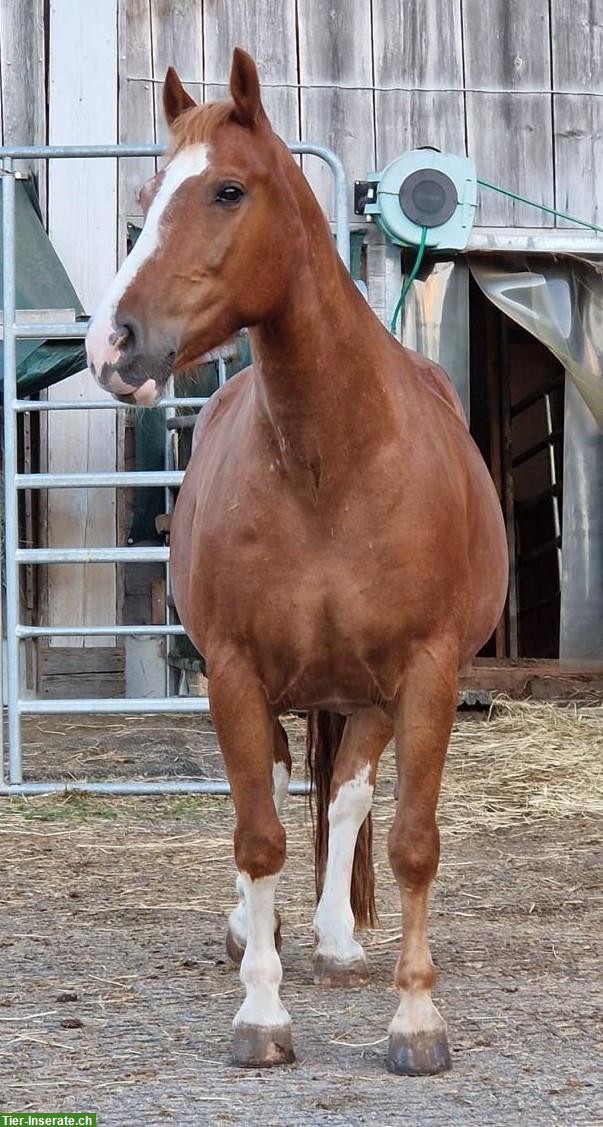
(120, 367)
(143, 393)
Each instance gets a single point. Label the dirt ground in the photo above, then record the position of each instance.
(116, 994)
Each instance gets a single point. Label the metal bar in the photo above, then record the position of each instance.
(60, 152)
(342, 230)
(186, 786)
(533, 240)
(553, 469)
(118, 706)
(168, 457)
(342, 234)
(534, 396)
(129, 478)
(2, 772)
(97, 631)
(538, 447)
(42, 329)
(11, 518)
(107, 404)
(90, 555)
(182, 422)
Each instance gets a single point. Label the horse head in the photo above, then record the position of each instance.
(208, 261)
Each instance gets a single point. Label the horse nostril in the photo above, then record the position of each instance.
(127, 334)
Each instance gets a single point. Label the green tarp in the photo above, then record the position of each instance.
(41, 283)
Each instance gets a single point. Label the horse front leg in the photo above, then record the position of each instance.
(236, 934)
(339, 959)
(418, 1043)
(262, 1026)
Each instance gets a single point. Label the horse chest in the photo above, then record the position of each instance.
(322, 628)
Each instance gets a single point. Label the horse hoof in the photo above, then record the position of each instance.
(236, 950)
(418, 1054)
(333, 972)
(257, 1046)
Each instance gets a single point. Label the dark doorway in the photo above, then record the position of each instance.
(517, 389)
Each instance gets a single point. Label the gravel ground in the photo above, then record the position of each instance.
(116, 994)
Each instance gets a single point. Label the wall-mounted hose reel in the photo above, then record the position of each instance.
(422, 189)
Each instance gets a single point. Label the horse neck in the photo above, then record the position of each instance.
(321, 362)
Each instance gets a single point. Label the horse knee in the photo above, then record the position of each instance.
(260, 850)
(414, 852)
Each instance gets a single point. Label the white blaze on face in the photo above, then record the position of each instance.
(101, 350)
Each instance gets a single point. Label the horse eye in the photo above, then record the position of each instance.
(229, 194)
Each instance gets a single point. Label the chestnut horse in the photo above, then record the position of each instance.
(337, 544)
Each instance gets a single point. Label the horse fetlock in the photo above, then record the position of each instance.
(330, 970)
(339, 959)
(236, 934)
(416, 1014)
(334, 925)
(237, 923)
(262, 1007)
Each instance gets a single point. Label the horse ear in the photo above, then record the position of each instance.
(245, 88)
(175, 98)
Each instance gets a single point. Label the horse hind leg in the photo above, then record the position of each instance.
(339, 959)
(418, 1043)
(236, 933)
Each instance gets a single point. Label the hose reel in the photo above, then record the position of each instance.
(422, 189)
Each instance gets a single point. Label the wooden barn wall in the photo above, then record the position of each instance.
(516, 85)
(519, 86)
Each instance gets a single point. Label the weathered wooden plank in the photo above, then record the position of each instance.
(103, 659)
(23, 80)
(82, 687)
(579, 156)
(335, 56)
(577, 45)
(177, 41)
(410, 119)
(136, 109)
(507, 44)
(418, 44)
(82, 226)
(268, 32)
(510, 138)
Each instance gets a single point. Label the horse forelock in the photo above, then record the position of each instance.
(200, 123)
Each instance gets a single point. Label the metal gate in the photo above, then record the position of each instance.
(11, 782)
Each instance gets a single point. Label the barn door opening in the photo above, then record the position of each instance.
(517, 411)
(556, 301)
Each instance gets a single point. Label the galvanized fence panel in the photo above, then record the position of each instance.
(12, 783)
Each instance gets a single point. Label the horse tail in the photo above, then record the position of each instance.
(324, 735)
